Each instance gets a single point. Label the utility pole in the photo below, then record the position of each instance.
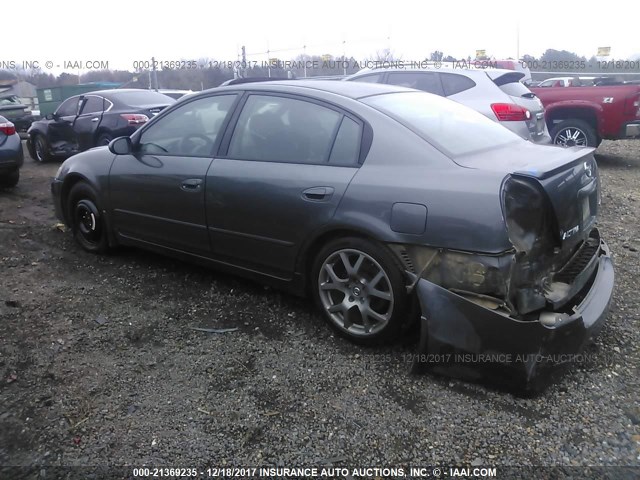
(518, 40)
(243, 67)
(155, 74)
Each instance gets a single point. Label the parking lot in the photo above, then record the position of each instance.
(101, 363)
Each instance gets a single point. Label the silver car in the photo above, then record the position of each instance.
(498, 94)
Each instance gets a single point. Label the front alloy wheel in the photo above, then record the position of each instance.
(571, 137)
(574, 133)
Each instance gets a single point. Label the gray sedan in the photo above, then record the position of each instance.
(361, 195)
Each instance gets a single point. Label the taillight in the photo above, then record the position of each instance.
(632, 106)
(7, 128)
(135, 118)
(510, 112)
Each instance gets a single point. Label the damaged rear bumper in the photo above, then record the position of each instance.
(452, 323)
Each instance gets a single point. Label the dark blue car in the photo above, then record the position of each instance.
(11, 156)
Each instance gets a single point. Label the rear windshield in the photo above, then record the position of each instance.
(450, 127)
(142, 98)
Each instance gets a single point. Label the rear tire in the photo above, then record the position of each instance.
(85, 215)
(360, 289)
(11, 179)
(41, 149)
(574, 132)
(104, 140)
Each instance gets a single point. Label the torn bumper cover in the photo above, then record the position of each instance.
(452, 323)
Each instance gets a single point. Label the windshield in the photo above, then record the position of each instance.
(10, 100)
(450, 127)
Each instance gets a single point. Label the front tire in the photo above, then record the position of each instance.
(574, 132)
(11, 179)
(41, 149)
(86, 218)
(360, 289)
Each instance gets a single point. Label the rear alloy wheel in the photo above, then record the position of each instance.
(41, 149)
(574, 133)
(10, 179)
(361, 290)
(87, 224)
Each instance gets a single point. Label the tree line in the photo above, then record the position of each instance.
(210, 73)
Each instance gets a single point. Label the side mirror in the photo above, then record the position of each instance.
(121, 146)
(49, 116)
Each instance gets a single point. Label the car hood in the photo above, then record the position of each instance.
(568, 176)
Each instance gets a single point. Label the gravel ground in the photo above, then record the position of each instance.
(99, 365)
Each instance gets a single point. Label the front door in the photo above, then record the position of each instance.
(61, 135)
(157, 193)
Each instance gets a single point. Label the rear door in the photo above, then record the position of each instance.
(157, 194)
(87, 124)
(280, 176)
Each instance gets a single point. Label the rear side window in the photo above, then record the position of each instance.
(517, 89)
(92, 104)
(281, 129)
(373, 78)
(427, 82)
(454, 83)
(346, 148)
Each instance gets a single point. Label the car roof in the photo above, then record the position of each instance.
(466, 71)
(114, 92)
(352, 90)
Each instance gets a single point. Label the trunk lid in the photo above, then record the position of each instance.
(568, 176)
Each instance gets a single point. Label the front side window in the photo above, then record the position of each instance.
(427, 82)
(190, 130)
(281, 129)
(68, 108)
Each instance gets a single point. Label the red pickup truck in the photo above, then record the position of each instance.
(587, 115)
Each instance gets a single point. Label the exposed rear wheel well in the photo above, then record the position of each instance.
(68, 184)
(584, 114)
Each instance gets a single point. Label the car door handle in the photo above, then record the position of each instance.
(191, 185)
(96, 119)
(318, 194)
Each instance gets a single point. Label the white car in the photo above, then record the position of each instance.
(496, 93)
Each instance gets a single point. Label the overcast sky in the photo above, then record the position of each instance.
(124, 31)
